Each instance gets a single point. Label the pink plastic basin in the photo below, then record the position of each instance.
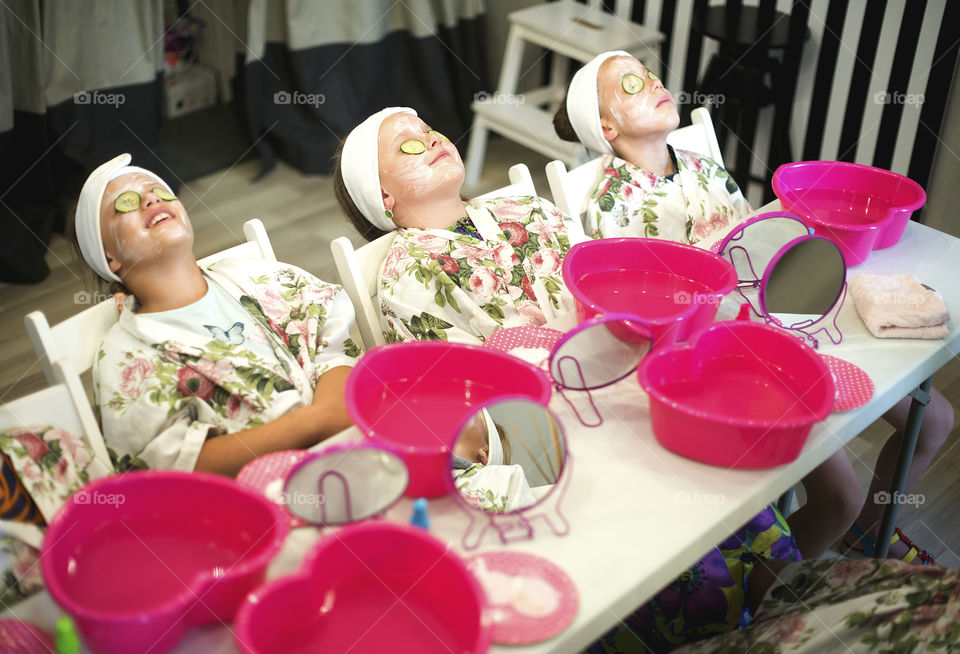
(414, 396)
(859, 207)
(738, 394)
(128, 556)
(675, 288)
(374, 587)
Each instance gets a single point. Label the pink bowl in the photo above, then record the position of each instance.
(413, 396)
(738, 394)
(859, 207)
(374, 587)
(128, 556)
(676, 288)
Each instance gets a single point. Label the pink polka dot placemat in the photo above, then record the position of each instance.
(531, 599)
(854, 386)
(17, 637)
(525, 343)
(267, 474)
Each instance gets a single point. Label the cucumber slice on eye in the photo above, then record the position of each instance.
(163, 193)
(651, 75)
(413, 146)
(127, 201)
(442, 137)
(632, 83)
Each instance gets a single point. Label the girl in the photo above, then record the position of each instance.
(616, 107)
(207, 368)
(456, 271)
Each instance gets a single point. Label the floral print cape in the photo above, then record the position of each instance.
(52, 464)
(437, 284)
(709, 598)
(161, 391)
(494, 488)
(19, 562)
(629, 201)
(851, 606)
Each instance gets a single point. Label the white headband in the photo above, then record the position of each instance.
(87, 219)
(494, 447)
(360, 167)
(583, 104)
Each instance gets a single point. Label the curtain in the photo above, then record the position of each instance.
(79, 83)
(314, 70)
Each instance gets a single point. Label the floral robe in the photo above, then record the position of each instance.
(700, 200)
(162, 391)
(437, 284)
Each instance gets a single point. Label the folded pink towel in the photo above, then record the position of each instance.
(899, 306)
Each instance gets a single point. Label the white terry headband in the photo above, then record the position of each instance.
(87, 219)
(360, 167)
(495, 447)
(583, 104)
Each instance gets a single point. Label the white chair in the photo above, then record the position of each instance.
(571, 31)
(77, 338)
(64, 405)
(359, 269)
(572, 189)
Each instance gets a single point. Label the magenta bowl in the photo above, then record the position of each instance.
(139, 558)
(861, 208)
(374, 587)
(676, 288)
(739, 394)
(413, 397)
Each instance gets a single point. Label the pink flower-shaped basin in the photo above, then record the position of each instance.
(414, 396)
(738, 394)
(373, 587)
(139, 558)
(676, 288)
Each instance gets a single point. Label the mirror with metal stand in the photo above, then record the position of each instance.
(509, 465)
(599, 352)
(345, 483)
(789, 277)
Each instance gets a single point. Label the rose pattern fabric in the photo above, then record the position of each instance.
(701, 200)
(161, 391)
(444, 285)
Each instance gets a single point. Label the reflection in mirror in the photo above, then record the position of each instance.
(508, 456)
(600, 351)
(751, 247)
(806, 279)
(345, 484)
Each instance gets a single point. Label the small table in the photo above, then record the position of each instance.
(640, 514)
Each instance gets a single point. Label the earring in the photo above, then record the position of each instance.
(388, 214)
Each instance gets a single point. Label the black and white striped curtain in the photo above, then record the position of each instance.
(316, 69)
(871, 84)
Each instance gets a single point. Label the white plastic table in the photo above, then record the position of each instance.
(639, 514)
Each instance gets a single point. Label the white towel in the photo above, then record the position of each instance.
(899, 306)
(583, 105)
(360, 167)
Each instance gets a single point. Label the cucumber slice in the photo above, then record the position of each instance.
(632, 83)
(127, 201)
(413, 146)
(442, 137)
(163, 193)
(651, 75)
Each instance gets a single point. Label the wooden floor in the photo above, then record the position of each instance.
(301, 217)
